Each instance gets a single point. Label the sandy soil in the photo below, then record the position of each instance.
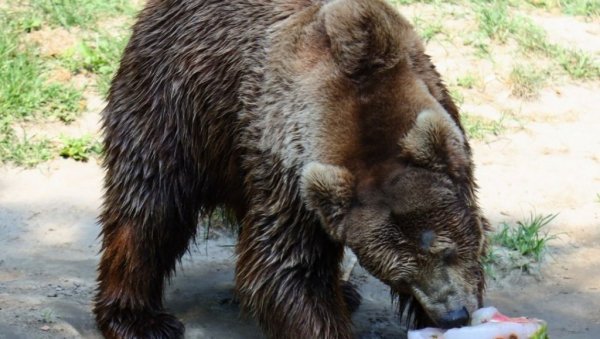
(548, 161)
(551, 167)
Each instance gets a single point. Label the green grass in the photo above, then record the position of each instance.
(24, 20)
(25, 95)
(48, 316)
(578, 64)
(80, 149)
(590, 8)
(587, 8)
(28, 152)
(98, 54)
(469, 81)
(496, 22)
(427, 29)
(521, 246)
(24, 92)
(456, 95)
(480, 43)
(480, 128)
(527, 237)
(526, 80)
(67, 13)
(530, 37)
(22, 151)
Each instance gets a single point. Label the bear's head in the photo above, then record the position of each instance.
(412, 221)
(409, 213)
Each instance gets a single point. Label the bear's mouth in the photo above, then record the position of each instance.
(411, 312)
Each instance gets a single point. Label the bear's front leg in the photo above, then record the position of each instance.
(287, 277)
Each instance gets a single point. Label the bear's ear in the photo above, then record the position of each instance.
(328, 190)
(436, 142)
(365, 36)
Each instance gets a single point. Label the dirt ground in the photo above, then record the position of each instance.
(49, 239)
(547, 161)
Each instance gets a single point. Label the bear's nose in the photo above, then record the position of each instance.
(455, 318)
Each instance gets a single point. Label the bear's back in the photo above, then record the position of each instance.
(195, 52)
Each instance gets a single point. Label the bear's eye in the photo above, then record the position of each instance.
(450, 256)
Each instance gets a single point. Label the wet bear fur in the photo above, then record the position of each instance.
(319, 125)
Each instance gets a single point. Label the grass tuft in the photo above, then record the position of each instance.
(521, 246)
(527, 237)
(526, 80)
(494, 20)
(80, 149)
(22, 151)
(479, 128)
(469, 81)
(578, 64)
(48, 316)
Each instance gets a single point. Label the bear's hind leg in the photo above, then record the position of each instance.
(139, 251)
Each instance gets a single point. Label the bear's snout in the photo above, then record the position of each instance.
(455, 318)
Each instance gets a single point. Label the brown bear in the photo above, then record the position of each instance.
(319, 124)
